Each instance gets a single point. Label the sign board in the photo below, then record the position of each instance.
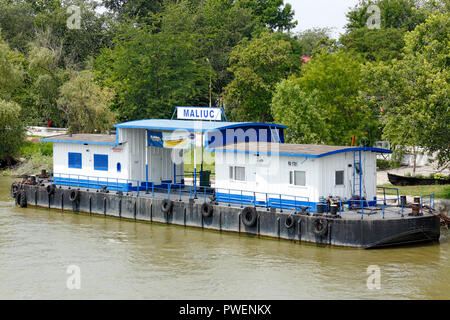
(178, 140)
(199, 113)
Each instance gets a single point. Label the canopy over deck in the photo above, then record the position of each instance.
(191, 125)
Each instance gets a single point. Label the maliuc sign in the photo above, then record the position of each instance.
(199, 113)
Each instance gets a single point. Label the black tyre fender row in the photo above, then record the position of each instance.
(249, 216)
(290, 221)
(50, 189)
(74, 195)
(207, 209)
(14, 190)
(21, 198)
(166, 205)
(320, 226)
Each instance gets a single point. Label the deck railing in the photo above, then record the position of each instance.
(228, 196)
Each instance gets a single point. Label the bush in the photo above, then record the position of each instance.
(11, 131)
(29, 149)
(387, 164)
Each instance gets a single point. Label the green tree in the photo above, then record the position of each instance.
(413, 93)
(11, 131)
(310, 40)
(11, 71)
(46, 77)
(85, 104)
(220, 25)
(301, 113)
(398, 14)
(326, 94)
(16, 23)
(385, 43)
(258, 65)
(153, 72)
(273, 14)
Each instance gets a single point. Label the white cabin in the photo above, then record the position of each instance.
(144, 153)
(294, 174)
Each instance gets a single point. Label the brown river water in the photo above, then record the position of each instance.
(119, 259)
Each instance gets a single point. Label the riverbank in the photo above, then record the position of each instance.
(33, 158)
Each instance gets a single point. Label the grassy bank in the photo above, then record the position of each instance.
(440, 191)
(33, 157)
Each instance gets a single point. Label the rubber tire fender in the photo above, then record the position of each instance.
(320, 221)
(14, 190)
(74, 195)
(207, 209)
(289, 222)
(249, 216)
(22, 199)
(166, 205)
(50, 189)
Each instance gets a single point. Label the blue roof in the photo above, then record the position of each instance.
(190, 125)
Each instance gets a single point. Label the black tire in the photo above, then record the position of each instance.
(249, 216)
(166, 205)
(289, 222)
(14, 190)
(22, 199)
(320, 227)
(74, 195)
(50, 189)
(207, 210)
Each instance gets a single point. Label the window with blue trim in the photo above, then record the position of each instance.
(119, 167)
(75, 160)
(101, 162)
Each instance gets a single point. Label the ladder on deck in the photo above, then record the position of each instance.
(357, 175)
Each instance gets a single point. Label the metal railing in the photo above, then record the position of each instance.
(229, 196)
(91, 182)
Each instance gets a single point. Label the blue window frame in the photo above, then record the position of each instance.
(75, 160)
(119, 167)
(101, 162)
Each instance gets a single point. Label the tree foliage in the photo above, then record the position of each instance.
(11, 70)
(385, 43)
(414, 93)
(153, 72)
(11, 130)
(85, 104)
(258, 65)
(320, 105)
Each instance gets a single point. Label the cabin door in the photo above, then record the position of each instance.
(261, 183)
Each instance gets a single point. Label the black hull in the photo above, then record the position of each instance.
(356, 233)
(413, 181)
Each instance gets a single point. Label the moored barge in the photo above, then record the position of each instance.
(263, 187)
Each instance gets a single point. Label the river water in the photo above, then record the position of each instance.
(127, 260)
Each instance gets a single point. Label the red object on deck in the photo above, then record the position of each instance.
(306, 59)
(49, 123)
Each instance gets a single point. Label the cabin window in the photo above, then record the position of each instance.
(74, 160)
(239, 173)
(101, 162)
(339, 178)
(119, 167)
(231, 175)
(297, 178)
